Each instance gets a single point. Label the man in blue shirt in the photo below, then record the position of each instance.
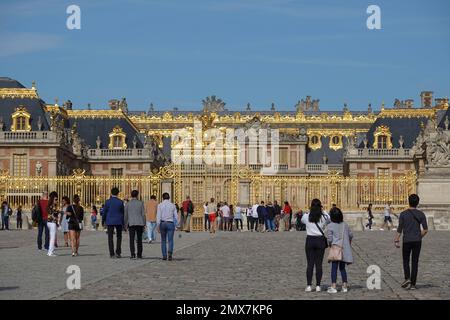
(113, 214)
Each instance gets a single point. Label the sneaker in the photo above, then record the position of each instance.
(164, 258)
(394, 229)
(51, 255)
(133, 257)
(170, 258)
(118, 256)
(331, 290)
(412, 287)
(308, 289)
(150, 241)
(344, 289)
(73, 254)
(112, 257)
(381, 229)
(318, 289)
(406, 283)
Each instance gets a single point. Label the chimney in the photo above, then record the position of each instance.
(409, 103)
(426, 99)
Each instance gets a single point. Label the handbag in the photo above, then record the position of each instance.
(335, 252)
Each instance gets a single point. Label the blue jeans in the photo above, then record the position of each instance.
(151, 227)
(334, 267)
(42, 226)
(5, 222)
(167, 230)
(270, 225)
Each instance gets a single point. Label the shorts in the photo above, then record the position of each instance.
(387, 219)
(212, 217)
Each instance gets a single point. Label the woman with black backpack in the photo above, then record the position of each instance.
(316, 242)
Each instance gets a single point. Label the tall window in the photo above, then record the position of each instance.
(21, 120)
(117, 172)
(283, 156)
(20, 165)
(382, 142)
(118, 142)
(383, 172)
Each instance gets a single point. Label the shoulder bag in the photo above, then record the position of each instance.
(335, 253)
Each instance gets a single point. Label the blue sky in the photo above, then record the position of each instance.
(175, 53)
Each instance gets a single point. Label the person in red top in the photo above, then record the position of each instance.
(188, 210)
(287, 211)
(42, 208)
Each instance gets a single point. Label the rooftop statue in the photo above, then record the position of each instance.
(212, 104)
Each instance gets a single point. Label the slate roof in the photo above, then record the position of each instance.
(9, 83)
(334, 156)
(409, 128)
(34, 106)
(90, 128)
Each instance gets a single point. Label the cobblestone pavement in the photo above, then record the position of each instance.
(228, 266)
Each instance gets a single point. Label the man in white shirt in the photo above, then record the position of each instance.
(387, 217)
(254, 221)
(166, 220)
(226, 216)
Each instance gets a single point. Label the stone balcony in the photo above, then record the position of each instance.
(368, 153)
(318, 168)
(119, 154)
(13, 137)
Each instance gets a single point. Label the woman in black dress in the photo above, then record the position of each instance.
(75, 215)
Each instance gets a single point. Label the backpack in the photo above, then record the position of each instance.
(36, 213)
(190, 207)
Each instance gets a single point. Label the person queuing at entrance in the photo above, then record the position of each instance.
(166, 220)
(19, 217)
(94, 214)
(340, 235)
(212, 214)
(277, 209)
(262, 214)
(188, 210)
(270, 224)
(206, 217)
(410, 222)
(6, 212)
(316, 242)
(114, 217)
(52, 221)
(135, 222)
(150, 208)
(287, 216)
(238, 218)
(39, 216)
(255, 219)
(75, 214)
(226, 217)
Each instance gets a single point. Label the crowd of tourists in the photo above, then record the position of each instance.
(143, 219)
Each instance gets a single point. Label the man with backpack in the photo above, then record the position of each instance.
(410, 222)
(188, 210)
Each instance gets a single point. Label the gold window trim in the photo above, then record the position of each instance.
(382, 131)
(117, 132)
(315, 146)
(21, 112)
(338, 145)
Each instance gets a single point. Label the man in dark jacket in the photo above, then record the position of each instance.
(114, 217)
(262, 215)
(277, 209)
(270, 225)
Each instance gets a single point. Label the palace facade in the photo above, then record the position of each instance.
(393, 149)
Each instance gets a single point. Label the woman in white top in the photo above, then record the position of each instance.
(206, 214)
(63, 221)
(316, 242)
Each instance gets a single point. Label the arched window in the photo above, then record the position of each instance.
(21, 120)
(382, 138)
(117, 139)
